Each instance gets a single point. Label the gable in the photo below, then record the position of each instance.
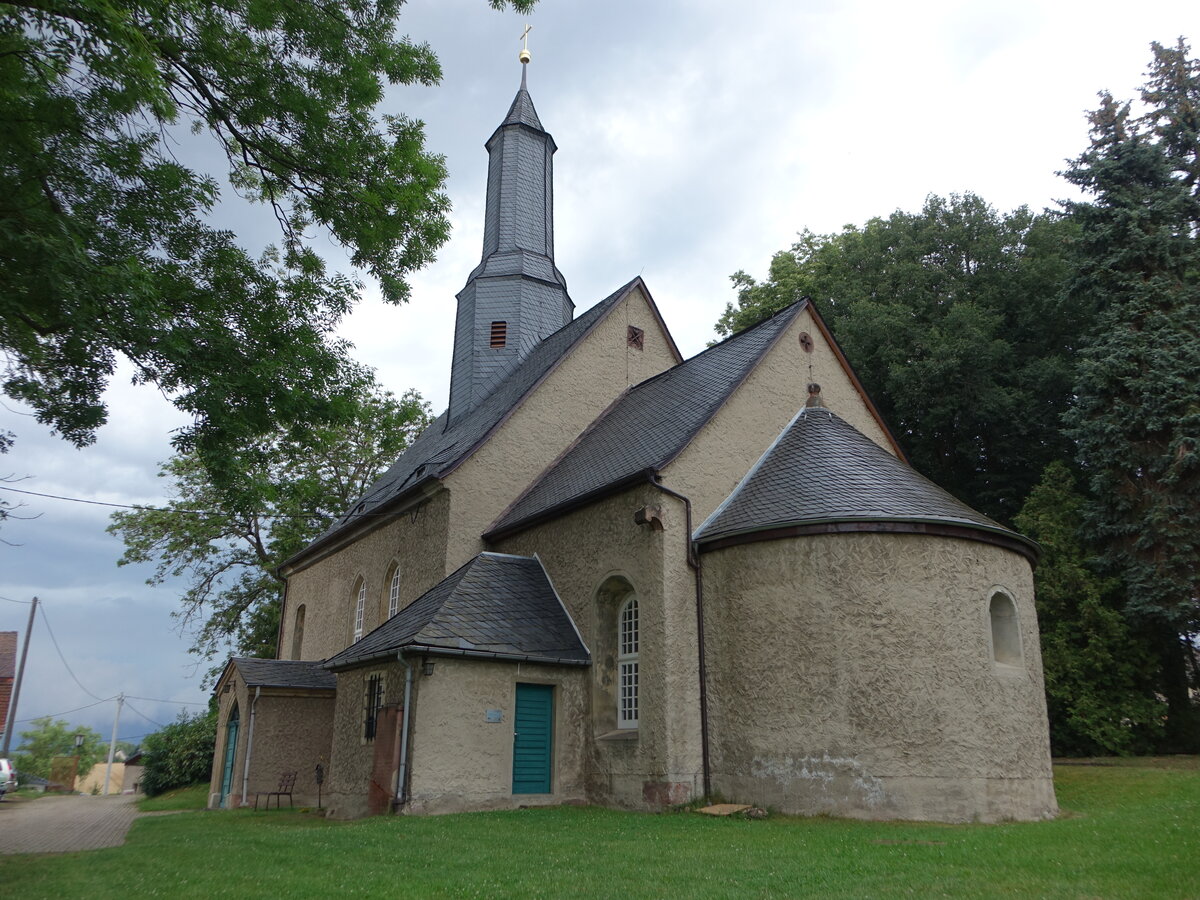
(553, 415)
(760, 408)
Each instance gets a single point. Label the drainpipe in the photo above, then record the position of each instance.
(402, 775)
(693, 559)
(249, 747)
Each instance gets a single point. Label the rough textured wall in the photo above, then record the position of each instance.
(584, 384)
(853, 675)
(93, 782)
(352, 760)
(594, 555)
(714, 462)
(293, 731)
(461, 761)
(415, 540)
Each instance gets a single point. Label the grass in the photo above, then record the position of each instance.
(1130, 830)
(194, 797)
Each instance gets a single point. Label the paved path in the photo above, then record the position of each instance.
(65, 823)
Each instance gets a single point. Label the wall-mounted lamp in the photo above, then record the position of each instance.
(427, 667)
(78, 741)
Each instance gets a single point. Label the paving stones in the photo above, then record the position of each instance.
(66, 824)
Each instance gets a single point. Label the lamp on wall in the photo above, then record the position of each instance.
(427, 666)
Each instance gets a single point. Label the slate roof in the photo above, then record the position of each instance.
(647, 427)
(284, 673)
(8, 654)
(440, 448)
(495, 606)
(822, 469)
(522, 112)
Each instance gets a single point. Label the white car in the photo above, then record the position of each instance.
(8, 781)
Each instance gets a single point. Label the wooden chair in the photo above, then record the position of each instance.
(286, 781)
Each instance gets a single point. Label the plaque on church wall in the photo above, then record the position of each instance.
(493, 716)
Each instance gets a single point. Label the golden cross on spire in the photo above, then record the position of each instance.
(524, 55)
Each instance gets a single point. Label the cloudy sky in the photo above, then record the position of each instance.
(695, 139)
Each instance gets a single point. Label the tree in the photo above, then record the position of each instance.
(180, 754)
(48, 738)
(1100, 673)
(105, 246)
(1137, 417)
(954, 320)
(229, 544)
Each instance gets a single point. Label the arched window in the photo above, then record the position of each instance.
(627, 664)
(1006, 636)
(298, 632)
(394, 591)
(360, 607)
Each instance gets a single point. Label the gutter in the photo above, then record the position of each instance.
(430, 650)
(693, 560)
(402, 774)
(249, 747)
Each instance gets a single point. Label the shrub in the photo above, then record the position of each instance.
(180, 754)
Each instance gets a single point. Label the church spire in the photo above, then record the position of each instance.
(516, 296)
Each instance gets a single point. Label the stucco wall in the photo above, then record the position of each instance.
(352, 759)
(711, 466)
(416, 541)
(292, 732)
(555, 414)
(461, 761)
(590, 554)
(853, 674)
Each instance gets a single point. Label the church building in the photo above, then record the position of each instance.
(610, 575)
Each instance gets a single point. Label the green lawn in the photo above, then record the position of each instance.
(1129, 830)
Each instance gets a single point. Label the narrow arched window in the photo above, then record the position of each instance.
(394, 592)
(1006, 636)
(627, 664)
(298, 632)
(360, 607)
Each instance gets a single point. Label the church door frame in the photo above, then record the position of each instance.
(232, 726)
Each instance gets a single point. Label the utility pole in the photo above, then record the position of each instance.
(112, 745)
(12, 706)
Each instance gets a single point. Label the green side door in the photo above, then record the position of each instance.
(231, 736)
(533, 727)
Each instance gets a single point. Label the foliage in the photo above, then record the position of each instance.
(1137, 418)
(106, 250)
(1130, 832)
(48, 738)
(1099, 671)
(229, 545)
(954, 320)
(181, 754)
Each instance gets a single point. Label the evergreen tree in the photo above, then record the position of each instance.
(1099, 672)
(1136, 421)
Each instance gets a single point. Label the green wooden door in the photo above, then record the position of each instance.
(231, 734)
(533, 727)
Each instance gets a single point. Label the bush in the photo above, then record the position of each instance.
(181, 754)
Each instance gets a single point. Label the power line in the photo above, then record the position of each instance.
(11, 600)
(193, 512)
(67, 713)
(143, 715)
(160, 700)
(54, 641)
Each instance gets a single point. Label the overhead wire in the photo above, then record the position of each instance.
(54, 640)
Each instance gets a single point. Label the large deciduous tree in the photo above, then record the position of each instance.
(953, 318)
(1137, 418)
(106, 249)
(228, 545)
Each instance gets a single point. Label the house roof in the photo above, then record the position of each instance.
(284, 673)
(821, 470)
(496, 606)
(8, 654)
(441, 447)
(647, 427)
